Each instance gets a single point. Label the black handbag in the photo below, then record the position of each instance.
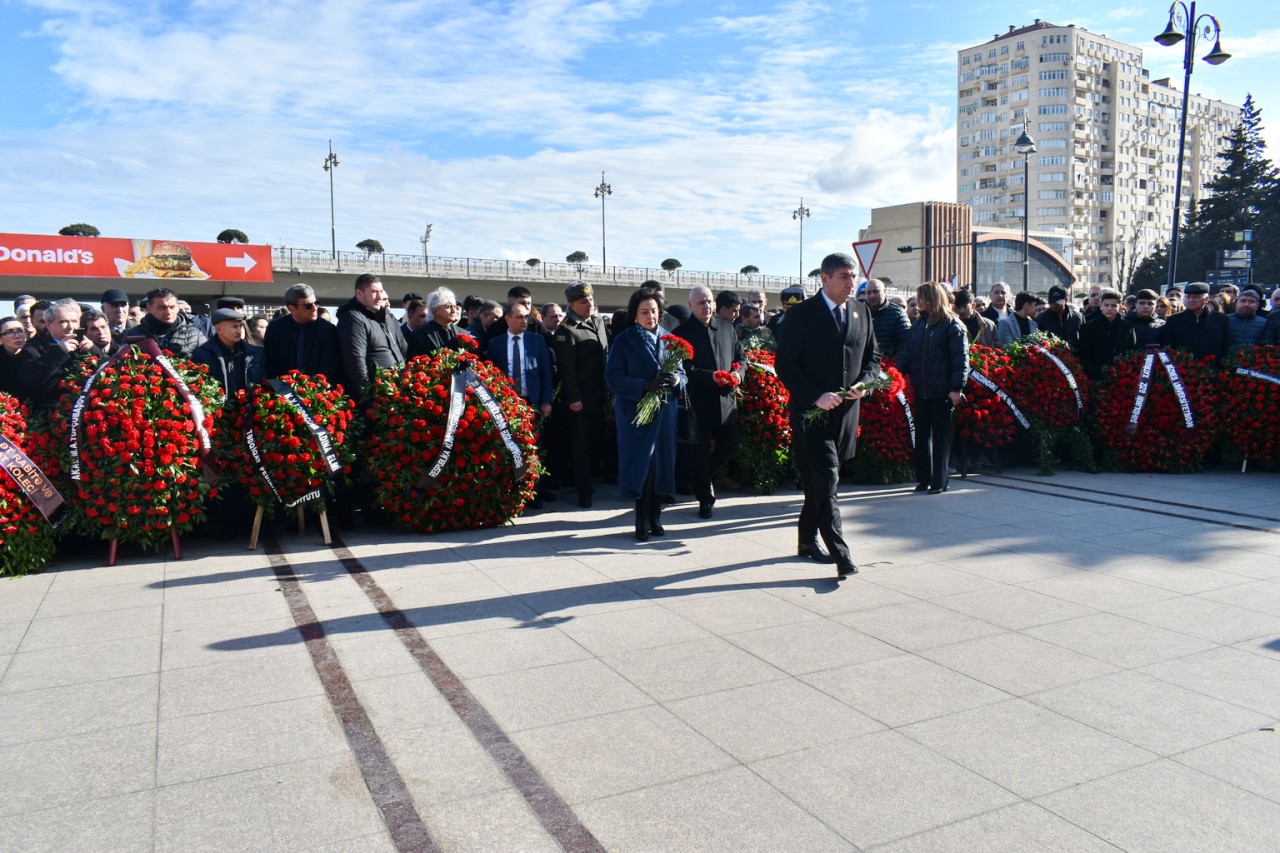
(687, 421)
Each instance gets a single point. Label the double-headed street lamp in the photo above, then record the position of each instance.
(1026, 146)
(801, 213)
(1183, 24)
(330, 166)
(602, 191)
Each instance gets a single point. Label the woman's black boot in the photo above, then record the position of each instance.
(642, 520)
(655, 519)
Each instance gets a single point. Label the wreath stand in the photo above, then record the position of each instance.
(302, 526)
(113, 547)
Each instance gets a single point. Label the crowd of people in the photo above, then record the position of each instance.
(587, 377)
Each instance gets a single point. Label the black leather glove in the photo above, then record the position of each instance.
(652, 385)
(667, 380)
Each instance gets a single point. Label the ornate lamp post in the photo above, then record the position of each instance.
(1183, 24)
(801, 213)
(1026, 146)
(602, 191)
(330, 166)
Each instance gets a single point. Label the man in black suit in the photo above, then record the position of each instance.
(827, 345)
(1198, 328)
(299, 341)
(715, 348)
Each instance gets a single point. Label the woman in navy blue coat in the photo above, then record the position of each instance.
(647, 453)
(936, 358)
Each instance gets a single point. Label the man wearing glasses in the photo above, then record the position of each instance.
(297, 341)
(13, 337)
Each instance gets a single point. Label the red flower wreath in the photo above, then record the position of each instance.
(1161, 441)
(764, 424)
(984, 418)
(286, 447)
(478, 487)
(26, 539)
(1251, 418)
(140, 451)
(885, 452)
(1045, 395)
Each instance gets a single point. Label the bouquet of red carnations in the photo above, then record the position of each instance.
(675, 351)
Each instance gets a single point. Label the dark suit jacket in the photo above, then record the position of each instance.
(1210, 337)
(539, 382)
(814, 357)
(715, 347)
(322, 356)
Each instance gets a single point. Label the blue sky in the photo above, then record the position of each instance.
(494, 120)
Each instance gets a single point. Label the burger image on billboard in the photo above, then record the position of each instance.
(171, 260)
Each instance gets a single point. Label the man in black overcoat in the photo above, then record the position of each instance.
(826, 346)
(715, 348)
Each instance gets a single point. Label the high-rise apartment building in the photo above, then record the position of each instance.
(1106, 140)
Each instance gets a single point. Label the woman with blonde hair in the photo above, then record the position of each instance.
(936, 358)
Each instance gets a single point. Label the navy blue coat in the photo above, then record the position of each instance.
(538, 376)
(936, 358)
(631, 364)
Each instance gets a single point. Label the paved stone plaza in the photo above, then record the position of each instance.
(1074, 663)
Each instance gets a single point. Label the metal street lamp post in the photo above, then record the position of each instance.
(1183, 18)
(425, 239)
(330, 166)
(602, 191)
(1026, 146)
(801, 213)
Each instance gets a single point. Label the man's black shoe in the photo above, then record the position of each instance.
(815, 552)
(656, 528)
(844, 569)
(584, 500)
(704, 509)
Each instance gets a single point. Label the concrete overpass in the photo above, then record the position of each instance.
(333, 278)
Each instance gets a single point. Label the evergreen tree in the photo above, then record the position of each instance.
(1242, 196)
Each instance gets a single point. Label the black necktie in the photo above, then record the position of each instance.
(838, 313)
(517, 365)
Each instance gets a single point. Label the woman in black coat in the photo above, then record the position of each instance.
(936, 358)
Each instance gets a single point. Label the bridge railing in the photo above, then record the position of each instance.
(489, 269)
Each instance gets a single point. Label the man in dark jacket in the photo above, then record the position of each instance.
(1196, 328)
(715, 348)
(889, 320)
(236, 365)
(368, 335)
(1105, 337)
(49, 358)
(169, 327)
(299, 341)
(1146, 325)
(1062, 320)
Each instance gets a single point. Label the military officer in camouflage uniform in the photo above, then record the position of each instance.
(580, 345)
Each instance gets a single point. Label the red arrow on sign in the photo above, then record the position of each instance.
(866, 252)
